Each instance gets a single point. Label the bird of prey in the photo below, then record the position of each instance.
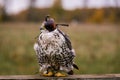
(54, 51)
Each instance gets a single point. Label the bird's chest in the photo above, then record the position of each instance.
(51, 43)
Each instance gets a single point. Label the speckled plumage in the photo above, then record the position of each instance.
(52, 50)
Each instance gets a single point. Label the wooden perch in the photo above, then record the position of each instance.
(86, 77)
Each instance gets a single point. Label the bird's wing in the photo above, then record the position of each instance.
(67, 40)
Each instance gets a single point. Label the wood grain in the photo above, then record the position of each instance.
(89, 77)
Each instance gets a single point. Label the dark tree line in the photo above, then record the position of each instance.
(109, 14)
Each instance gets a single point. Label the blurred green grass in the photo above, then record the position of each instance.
(95, 45)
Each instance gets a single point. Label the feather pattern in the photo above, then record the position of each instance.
(52, 50)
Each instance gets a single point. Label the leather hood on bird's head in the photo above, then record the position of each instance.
(50, 24)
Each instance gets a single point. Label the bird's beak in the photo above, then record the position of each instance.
(42, 26)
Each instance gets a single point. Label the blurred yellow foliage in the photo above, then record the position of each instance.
(98, 16)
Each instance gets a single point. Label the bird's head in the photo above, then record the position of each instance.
(49, 24)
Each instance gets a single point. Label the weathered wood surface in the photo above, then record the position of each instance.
(78, 77)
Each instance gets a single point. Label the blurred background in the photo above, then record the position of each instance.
(94, 32)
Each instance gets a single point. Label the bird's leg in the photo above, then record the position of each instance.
(60, 73)
(49, 72)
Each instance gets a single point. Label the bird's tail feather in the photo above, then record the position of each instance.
(75, 66)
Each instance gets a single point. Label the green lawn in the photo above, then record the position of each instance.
(97, 48)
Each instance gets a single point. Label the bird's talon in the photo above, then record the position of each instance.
(49, 74)
(59, 74)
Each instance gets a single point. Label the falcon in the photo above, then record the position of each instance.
(54, 51)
